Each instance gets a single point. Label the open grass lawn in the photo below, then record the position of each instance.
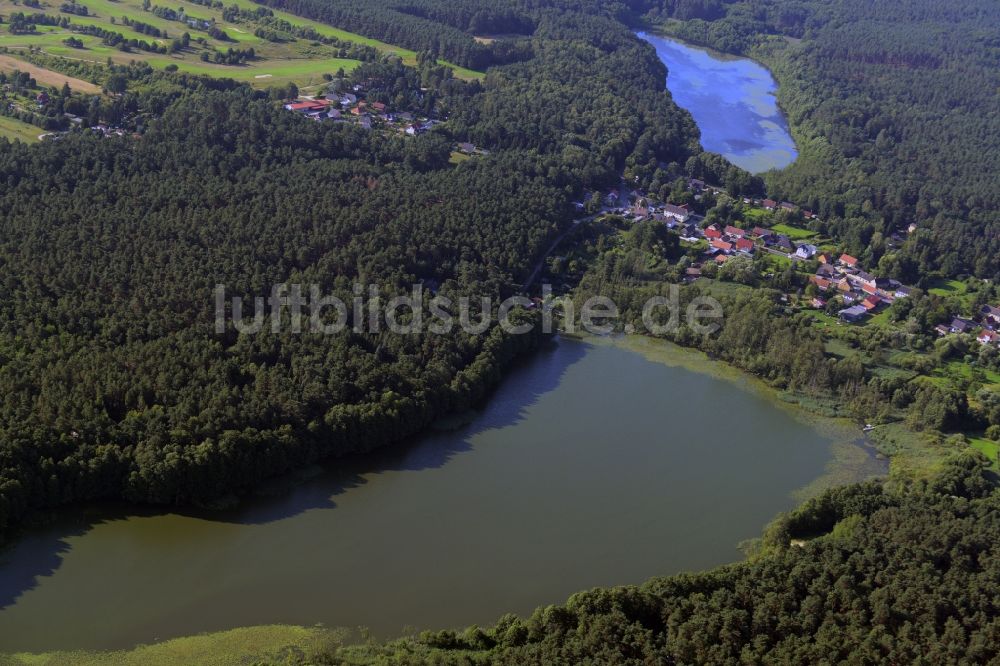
(15, 129)
(794, 233)
(755, 215)
(988, 447)
(822, 320)
(248, 645)
(777, 262)
(948, 288)
(300, 61)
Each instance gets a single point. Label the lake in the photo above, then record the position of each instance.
(732, 101)
(592, 465)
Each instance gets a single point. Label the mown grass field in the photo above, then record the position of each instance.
(15, 129)
(794, 233)
(300, 61)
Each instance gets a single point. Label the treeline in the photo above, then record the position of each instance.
(894, 115)
(876, 574)
(394, 26)
(230, 56)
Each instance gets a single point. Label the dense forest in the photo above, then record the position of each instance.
(894, 106)
(865, 574)
(114, 382)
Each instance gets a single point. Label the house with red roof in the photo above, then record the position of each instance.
(744, 245)
(307, 106)
(848, 260)
(820, 282)
(724, 246)
(989, 338)
(713, 232)
(770, 204)
(871, 302)
(735, 231)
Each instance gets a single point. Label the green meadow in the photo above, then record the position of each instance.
(300, 61)
(12, 128)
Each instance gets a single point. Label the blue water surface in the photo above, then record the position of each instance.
(732, 101)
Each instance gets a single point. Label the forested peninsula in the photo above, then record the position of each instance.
(115, 384)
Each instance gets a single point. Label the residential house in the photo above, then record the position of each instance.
(818, 303)
(307, 106)
(827, 271)
(724, 246)
(823, 259)
(787, 205)
(848, 260)
(961, 325)
(378, 106)
(679, 213)
(744, 245)
(693, 273)
(469, 148)
(735, 231)
(990, 314)
(989, 338)
(941, 329)
(820, 282)
(871, 303)
(902, 292)
(769, 204)
(862, 278)
(854, 313)
(696, 185)
(783, 243)
(721, 259)
(712, 232)
(805, 251)
(762, 233)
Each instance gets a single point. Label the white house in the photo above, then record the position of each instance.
(805, 251)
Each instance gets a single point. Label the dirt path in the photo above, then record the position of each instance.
(47, 76)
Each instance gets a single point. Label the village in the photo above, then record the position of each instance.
(353, 107)
(839, 284)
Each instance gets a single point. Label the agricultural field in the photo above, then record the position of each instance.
(297, 60)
